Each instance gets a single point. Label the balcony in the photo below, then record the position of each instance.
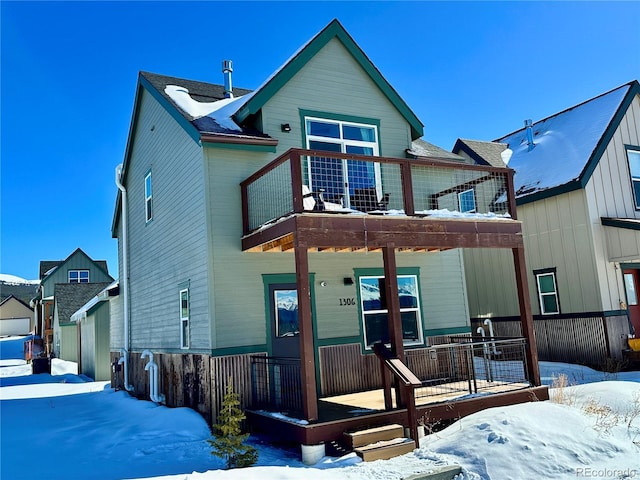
(345, 202)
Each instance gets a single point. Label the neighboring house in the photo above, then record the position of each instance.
(273, 237)
(92, 320)
(16, 317)
(577, 185)
(77, 269)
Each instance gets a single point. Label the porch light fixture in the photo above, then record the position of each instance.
(348, 280)
(323, 283)
(285, 127)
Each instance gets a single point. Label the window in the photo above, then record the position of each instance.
(148, 197)
(341, 178)
(375, 313)
(467, 201)
(286, 313)
(633, 157)
(547, 291)
(78, 276)
(630, 287)
(184, 318)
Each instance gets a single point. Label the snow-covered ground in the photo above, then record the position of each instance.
(62, 426)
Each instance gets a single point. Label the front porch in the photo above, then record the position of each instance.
(414, 205)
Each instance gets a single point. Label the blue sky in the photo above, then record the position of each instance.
(69, 70)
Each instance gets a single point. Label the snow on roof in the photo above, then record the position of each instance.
(564, 143)
(220, 111)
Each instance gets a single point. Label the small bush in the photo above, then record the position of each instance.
(228, 443)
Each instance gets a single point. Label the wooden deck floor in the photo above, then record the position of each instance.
(373, 400)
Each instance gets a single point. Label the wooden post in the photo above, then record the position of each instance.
(296, 181)
(526, 318)
(393, 307)
(307, 357)
(407, 188)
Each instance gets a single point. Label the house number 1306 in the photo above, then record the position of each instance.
(347, 301)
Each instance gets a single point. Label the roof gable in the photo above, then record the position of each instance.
(13, 298)
(483, 153)
(568, 145)
(256, 100)
(55, 265)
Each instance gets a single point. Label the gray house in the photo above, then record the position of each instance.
(578, 197)
(275, 236)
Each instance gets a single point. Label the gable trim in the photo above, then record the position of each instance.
(461, 146)
(293, 66)
(604, 141)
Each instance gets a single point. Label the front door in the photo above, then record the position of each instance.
(631, 284)
(284, 326)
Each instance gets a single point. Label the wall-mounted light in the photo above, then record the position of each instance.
(348, 280)
(323, 283)
(285, 127)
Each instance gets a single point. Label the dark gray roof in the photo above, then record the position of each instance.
(46, 265)
(483, 153)
(422, 148)
(202, 92)
(69, 297)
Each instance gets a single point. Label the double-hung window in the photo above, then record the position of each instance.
(341, 179)
(148, 197)
(634, 170)
(78, 276)
(375, 313)
(547, 291)
(184, 318)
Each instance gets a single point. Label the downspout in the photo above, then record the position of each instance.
(124, 280)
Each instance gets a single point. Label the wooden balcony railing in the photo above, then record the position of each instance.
(306, 181)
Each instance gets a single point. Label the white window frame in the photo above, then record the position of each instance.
(630, 289)
(475, 206)
(635, 179)
(79, 278)
(417, 310)
(148, 197)
(184, 319)
(343, 148)
(541, 295)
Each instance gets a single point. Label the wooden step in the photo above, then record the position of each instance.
(385, 449)
(373, 435)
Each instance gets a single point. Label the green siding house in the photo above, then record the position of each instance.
(577, 195)
(289, 229)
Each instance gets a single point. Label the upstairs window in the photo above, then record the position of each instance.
(342, 179)
(547, 291)
(78, 276)
(148, 197)
(634, 169)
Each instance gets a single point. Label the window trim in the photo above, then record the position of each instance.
(184, 342)
(542, 273)
(79, 271)
(148, 198)
(635, 150)
(378, 273)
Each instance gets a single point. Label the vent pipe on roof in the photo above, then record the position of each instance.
(227, 70)
(529, 126)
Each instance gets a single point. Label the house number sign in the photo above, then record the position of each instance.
(345, 302)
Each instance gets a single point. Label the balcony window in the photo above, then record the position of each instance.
(341, 179)
(467, 201)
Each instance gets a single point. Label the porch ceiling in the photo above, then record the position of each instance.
(354, 233)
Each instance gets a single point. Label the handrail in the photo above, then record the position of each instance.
(407, 379)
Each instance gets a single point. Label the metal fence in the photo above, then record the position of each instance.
(469, 367)
(276, 384)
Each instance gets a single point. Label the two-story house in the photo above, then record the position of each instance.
(577, 187)
(275, 236)
(66, 285)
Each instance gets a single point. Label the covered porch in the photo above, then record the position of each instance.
(415, 205)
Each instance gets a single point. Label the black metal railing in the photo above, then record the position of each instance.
(276, 384)
(470, 366)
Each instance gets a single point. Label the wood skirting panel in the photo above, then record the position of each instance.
(196, 381)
